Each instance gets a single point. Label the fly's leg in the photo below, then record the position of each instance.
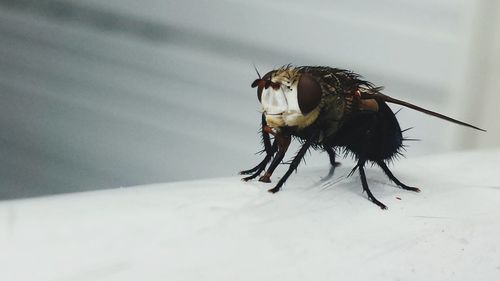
(283, 144)
(361, 164)
(268, 149)
(295, 163)
(368, 139)
(394, 179)
(331, 155)
(255, 171)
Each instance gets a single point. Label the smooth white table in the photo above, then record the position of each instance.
(225, 229)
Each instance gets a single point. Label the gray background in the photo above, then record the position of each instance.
(102, 94)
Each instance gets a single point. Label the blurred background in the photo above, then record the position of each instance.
(111, 93)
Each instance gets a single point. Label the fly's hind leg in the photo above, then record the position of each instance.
(394, 179)
(361, 165)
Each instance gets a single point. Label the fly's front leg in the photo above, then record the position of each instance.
(268, 149)
(283, 141)
(295, 163)
(261, 166)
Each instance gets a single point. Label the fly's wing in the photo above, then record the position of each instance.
(375, 94)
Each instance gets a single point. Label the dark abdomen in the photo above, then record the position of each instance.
(388, 137)
(370, 135)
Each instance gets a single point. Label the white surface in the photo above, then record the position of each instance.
(225, 229)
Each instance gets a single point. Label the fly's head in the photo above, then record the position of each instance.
(288, 98)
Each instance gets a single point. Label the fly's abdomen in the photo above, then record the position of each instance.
(387, 139)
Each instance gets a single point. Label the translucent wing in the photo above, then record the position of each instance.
(375, 94)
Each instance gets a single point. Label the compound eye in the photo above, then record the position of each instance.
(261, 84)
(308, 93)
